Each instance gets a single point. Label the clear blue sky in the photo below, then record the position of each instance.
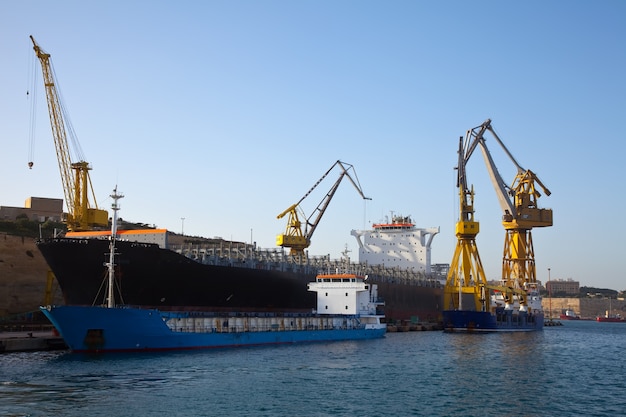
(227, 112)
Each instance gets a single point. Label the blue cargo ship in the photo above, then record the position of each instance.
(348, 308)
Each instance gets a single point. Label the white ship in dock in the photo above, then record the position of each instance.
(396, 244)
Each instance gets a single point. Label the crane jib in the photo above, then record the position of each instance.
(82, 214)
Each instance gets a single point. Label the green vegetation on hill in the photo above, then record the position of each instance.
(598, 292)
(24, 227)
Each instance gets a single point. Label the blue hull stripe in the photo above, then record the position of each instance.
(481, 321)
(98, 329)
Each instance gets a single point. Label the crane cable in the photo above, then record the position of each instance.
(31, 94)
(75, 145)
(31, 98)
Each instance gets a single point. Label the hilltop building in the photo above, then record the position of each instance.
(37, 209)
(563, 287)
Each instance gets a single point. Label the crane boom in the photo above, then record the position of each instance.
(522, 210)
(294, 237)
(74, 176)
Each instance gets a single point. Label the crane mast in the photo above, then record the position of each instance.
(74, 175)
(519, 203)
(295, 237)
(466, 280)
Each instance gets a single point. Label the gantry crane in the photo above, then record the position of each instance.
(294, 237)
(520, 214)
(81, 214)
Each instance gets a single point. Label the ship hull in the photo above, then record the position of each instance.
(100, 329)
(610, 320)
(149, 276)
(484, 322)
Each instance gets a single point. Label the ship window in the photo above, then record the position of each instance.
(326, 294)
(346, 294)
(346, 307)
(326, 307)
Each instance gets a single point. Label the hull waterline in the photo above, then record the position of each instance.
(482, 321)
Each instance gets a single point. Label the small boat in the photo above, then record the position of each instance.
(609, 317)
(348, 308)
(569, 314)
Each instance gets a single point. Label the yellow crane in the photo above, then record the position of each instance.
(466, 279)
(82, 215)
(295, 237)
(521, 212)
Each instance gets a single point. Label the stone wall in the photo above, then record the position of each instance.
(23, 276)
(586, 308)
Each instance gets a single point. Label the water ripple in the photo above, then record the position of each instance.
(576, 369)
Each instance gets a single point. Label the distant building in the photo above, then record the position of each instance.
(37, 209)
(563, 287)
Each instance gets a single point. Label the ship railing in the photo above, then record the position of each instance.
(248, 256)
(381, 273)
(256, 329)
(266, 324)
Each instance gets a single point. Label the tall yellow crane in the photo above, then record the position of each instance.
(521, 212)
(82, 215)
(466, 282)
(295, 237)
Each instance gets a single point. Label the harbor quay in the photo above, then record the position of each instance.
(30, 340)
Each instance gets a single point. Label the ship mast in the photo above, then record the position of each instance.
(111, 264)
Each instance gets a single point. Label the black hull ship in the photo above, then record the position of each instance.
(149, 275)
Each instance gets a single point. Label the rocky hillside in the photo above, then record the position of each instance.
(23, 273)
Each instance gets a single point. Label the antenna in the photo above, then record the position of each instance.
(111, 264)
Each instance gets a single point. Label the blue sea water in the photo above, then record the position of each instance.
(577, 369)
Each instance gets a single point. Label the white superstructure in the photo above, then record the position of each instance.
(348, 294)
(396, 244)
